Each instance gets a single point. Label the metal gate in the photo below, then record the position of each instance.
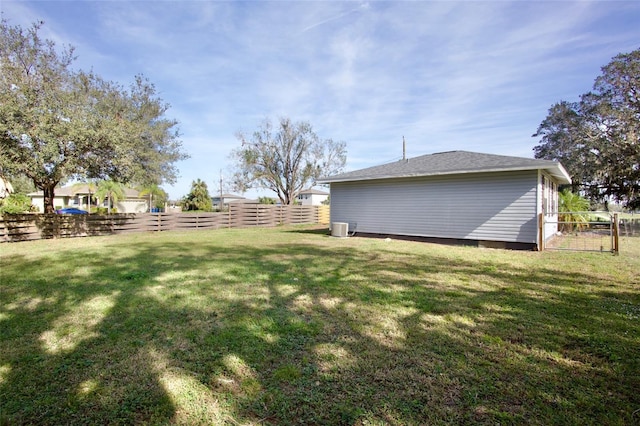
(581, 231)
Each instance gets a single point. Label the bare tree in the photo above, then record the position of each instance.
(285, 158)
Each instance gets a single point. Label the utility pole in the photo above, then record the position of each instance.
(221, 199)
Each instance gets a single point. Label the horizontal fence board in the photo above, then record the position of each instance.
(28, 227)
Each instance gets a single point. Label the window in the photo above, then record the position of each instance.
(549, 196)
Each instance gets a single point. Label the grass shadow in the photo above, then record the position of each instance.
(274, 330)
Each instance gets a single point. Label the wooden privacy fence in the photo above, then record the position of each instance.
(41, 226)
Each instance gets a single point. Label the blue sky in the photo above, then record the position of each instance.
(477, 76)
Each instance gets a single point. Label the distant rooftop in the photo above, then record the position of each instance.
(312, 191)
(83, 189)
(227, 195)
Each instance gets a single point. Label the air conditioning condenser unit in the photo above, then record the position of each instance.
(339, 229)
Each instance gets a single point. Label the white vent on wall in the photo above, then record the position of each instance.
(339, 229)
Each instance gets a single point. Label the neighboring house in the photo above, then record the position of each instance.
(456, 195)
(6, 188)
(226, 199)
(79, 196)
(133, 202)
(312, 197)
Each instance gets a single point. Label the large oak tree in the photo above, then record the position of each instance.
(57, 123)
(598, 138)
(285, 158)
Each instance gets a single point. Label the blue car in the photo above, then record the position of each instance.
(71, 210)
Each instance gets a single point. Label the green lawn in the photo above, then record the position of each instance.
(290, 326)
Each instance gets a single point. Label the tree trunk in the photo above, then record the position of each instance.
(288, 200)
(48, 191)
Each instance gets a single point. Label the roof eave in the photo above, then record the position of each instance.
(561, 174)
(556, 170)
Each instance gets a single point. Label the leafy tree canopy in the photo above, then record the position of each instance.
(598, 138)
(58, 124)
(285, 158)
(22, 184)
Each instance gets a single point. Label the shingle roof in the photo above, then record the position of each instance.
(449, 163)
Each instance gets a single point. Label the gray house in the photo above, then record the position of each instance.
(458, 196)
(226, 199)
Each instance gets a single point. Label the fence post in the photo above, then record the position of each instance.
(616, 241)
(541, 232)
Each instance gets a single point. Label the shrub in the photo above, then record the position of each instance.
(105, 210)
(266, 200)
(15, 204)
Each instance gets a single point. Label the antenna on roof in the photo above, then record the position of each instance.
(404, 150)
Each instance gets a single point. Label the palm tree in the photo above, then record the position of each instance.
(91, 188)
(112, 191)
(572, 208)
(152, 191)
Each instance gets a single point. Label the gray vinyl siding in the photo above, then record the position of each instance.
(478, 206)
